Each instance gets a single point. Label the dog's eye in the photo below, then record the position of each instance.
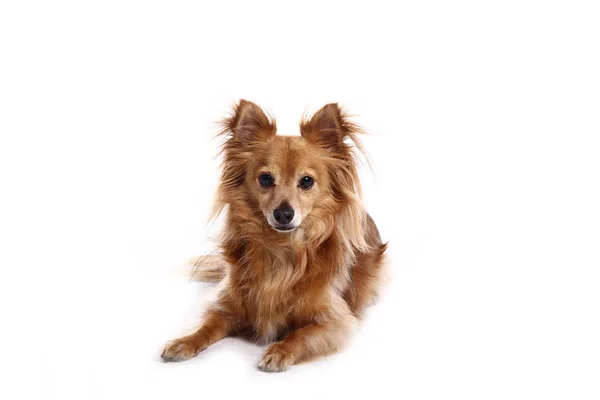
(306, 182)
(266, 180)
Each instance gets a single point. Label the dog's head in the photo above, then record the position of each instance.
(295, 182)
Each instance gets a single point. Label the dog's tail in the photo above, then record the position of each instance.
(208, 268)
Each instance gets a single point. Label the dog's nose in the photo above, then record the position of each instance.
(283, 215)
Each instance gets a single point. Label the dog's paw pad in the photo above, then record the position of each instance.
(276, 360)
(180, 350)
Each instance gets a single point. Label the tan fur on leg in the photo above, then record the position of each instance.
(324, 336)
(214, 328)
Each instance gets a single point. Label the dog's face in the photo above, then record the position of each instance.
(294, 181)
(288, 179)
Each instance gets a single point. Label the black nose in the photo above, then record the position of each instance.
(283, 215)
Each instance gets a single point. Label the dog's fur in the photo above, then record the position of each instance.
(302, 289)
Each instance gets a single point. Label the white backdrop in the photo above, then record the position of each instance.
(485, 138)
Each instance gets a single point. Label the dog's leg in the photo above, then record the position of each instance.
(215, 327)
(316, 339)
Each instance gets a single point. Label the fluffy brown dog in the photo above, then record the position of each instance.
(301, 258)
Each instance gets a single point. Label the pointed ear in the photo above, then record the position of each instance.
(248, 123)
(327, 127)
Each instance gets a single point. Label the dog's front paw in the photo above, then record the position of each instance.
(180, 350)
(276, 359)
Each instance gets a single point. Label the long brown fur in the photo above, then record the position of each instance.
(304, 290)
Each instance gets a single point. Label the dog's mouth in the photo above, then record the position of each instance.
(284, 228)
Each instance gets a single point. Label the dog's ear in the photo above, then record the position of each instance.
(248, 123)
(327, 127)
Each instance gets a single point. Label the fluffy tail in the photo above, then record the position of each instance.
(208, 268)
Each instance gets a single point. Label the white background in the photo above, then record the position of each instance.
(485, 138)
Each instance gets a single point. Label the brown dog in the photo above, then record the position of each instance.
(301, 257)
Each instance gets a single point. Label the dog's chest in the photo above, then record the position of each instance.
(272, 301)
(270, 317)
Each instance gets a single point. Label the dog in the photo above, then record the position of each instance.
(301, 259)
